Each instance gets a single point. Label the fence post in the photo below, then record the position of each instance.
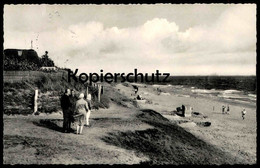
(99, 92)
(35, 101)
(87, 91)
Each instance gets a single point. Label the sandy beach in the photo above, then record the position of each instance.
(126, 134)
(227, 131)
(126, 84)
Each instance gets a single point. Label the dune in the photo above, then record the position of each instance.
(223, 128)
(148, 133)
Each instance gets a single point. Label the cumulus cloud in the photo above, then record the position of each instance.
(235, 30)
(158, 43)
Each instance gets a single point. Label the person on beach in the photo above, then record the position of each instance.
(81, 108)
(73, 99)
(135, 89)
(65, 105)
(227, 109)
(89, 111)
(158, 92)
(243, 113)
(223, 109)
(139, 97)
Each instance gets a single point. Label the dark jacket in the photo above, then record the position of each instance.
(65, 102)
(73, 100)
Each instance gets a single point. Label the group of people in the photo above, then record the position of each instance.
(225, 110)
(76, 109)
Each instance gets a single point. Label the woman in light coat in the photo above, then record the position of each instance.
(81, 109)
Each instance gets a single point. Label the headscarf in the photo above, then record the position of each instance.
(81, 96)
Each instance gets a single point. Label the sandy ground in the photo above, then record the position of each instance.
(39, 140)
(87, 148)
(227, 132)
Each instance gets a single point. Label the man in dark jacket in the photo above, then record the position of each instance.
(73, 99)
(65, 105)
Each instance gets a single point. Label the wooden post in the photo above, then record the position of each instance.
(35, 101)
(99, 92)
(87, 91)
(102, 89)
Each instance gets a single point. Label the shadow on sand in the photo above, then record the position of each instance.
(167, 143)
(52, 124)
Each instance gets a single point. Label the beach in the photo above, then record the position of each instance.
(227, 131)
(130, 84)
(134, 132)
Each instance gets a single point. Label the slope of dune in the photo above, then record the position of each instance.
(122, 134)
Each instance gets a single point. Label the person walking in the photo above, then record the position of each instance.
(81, 109)
(243, 113)
(73, 99)
(227, 109)
(65, 105)
(135, 89)
(223, 109)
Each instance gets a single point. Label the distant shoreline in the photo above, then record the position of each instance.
(242, 83)
(228, 96)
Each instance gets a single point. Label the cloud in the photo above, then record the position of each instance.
(235, 30)
(158, 43)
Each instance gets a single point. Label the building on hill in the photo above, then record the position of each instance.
(29, 55)
(27, 59)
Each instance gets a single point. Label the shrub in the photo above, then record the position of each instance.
(104, 100)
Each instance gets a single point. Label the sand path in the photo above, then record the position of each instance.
(89, 148)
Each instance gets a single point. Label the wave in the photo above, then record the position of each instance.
(205, 91)
(232, 91)
(226, 94)
(252, 95)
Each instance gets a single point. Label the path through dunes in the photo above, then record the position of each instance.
(116, 136)
(119, 135)
(39, 139)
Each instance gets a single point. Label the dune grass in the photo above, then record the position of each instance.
(18, 96)
(167, 143)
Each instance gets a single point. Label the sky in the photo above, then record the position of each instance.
(181, 39)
